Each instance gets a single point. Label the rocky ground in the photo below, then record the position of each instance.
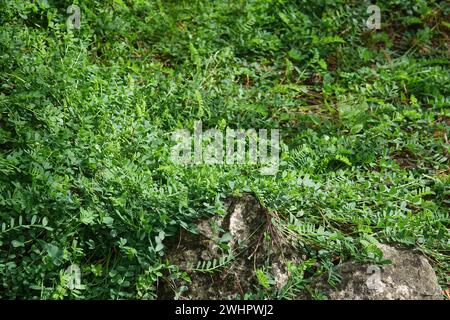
(221, 260)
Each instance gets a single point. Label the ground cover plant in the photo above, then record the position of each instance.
(86, 116)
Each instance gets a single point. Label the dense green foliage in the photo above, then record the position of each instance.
(86, 117)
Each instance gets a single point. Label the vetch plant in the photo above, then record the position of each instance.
(86, 118)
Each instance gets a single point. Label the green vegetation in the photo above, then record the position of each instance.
(86, 117)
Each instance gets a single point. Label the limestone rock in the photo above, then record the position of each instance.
(236, 243)
(408, 277)
(222, 257)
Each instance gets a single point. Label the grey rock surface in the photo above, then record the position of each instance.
(409, 277)
(243, 229)
(221, 260)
